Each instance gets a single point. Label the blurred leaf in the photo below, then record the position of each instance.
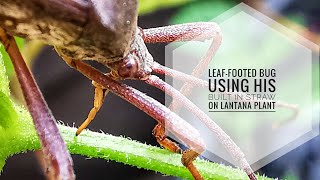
(204, 10)
(290, 176)
(297, 18)
(147, 6)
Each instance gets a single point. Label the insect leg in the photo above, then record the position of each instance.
(99, 95)
(224, 139)
(187, 32)
(188, 156)
(160, 69)
(57, 158)
(194, 31)
(159, 133)
(182, 130)
(198, 31)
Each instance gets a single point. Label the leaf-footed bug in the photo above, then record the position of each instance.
(106, 31)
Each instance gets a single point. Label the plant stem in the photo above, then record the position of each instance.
(120, 149)
(99, 145)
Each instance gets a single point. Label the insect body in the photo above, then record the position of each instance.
(106, 31)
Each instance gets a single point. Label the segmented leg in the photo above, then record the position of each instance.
(58, 161)
(187, 159)
(158, 68)
(159, 133)
(224, 139)
(99, 95)
(187, 32)
(195, 31)
(183, 32)
(153, 108)
(188, 156)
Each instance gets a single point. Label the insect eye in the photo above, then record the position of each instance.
(128, 68)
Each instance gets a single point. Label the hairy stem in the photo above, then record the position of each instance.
(124, 150)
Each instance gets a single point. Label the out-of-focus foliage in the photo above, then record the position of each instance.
(297, 19)
(202, 10)
(147, 6)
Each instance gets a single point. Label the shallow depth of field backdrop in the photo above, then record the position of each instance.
(70, 95)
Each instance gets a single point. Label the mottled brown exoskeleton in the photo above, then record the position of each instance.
(106, 31)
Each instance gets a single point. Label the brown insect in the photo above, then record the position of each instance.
(106, 31)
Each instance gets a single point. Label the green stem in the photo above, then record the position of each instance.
(119, 149)
(98, 145)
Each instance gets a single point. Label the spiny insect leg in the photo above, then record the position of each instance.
(150, 106)
(187, 32)
(187, 156)
(99, 95)
(160, 69)
(57, 158)
(223, 138)
(160, 134)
